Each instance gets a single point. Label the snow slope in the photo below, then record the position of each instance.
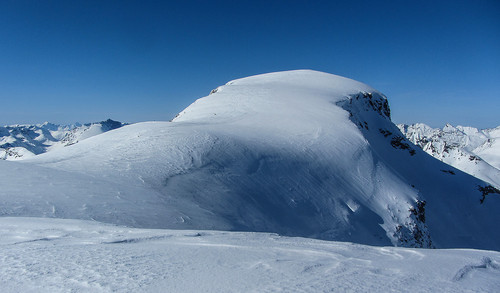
(299, 153)
(474, 151)
(53, 255)
(18, 142)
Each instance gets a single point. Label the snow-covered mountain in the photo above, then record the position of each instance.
(469, 149)
(22, 141)
(299, 153)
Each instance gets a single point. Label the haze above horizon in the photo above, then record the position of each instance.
(132, 61)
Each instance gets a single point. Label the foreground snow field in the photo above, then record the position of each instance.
(55, 255)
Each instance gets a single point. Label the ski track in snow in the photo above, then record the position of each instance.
(53, 255)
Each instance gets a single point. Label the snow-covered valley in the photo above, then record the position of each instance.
(298, 154)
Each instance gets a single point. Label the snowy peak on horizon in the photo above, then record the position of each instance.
(285, 95)
(22, 141)
(298, 153)
(474, 151)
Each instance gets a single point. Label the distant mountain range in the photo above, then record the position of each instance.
(472, 150)
(24, 141)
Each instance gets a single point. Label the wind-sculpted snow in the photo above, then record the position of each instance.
(53, 255)
(299, 153)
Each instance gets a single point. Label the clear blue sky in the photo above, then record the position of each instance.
(68, 61)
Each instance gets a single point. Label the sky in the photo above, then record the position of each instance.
(437, 62)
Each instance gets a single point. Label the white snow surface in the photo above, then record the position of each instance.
(474, 151)
(54, 255)
(298, 153)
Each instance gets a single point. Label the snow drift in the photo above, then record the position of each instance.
(299, 153)
(54, 255)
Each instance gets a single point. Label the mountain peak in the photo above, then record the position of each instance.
(288, 94)
(299, 153)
